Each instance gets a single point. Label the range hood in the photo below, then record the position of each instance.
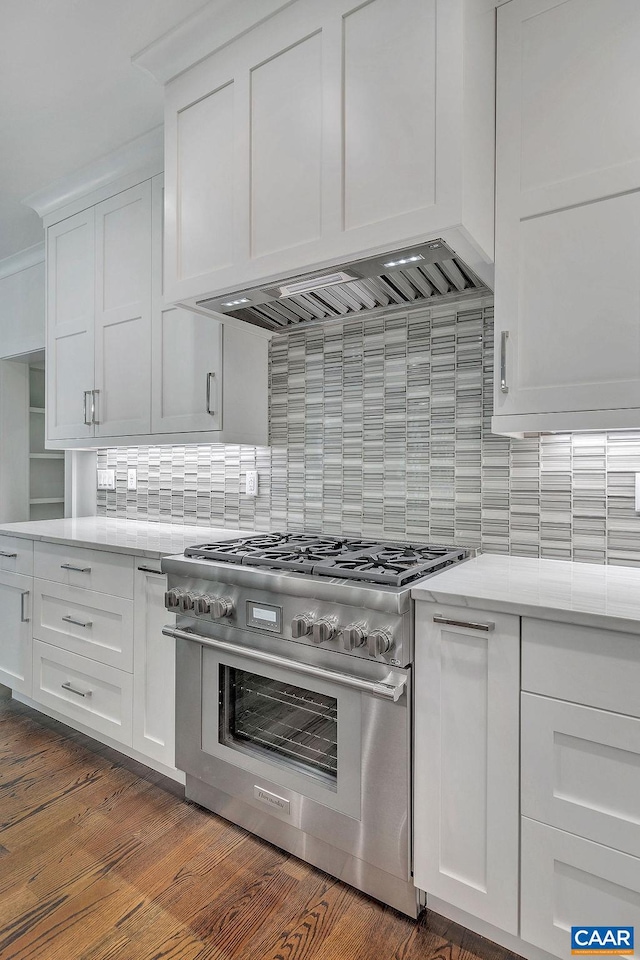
(405, 278)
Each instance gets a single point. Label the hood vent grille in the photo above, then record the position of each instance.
(425, 273)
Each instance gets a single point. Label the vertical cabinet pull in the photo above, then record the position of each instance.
(210, 377)
(94, 394)
(504, 386)
(87, 420)
(23, 597)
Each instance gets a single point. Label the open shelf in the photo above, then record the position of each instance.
(46, 468)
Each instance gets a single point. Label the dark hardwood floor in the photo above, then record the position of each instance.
(101, 859)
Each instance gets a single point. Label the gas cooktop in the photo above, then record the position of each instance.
(372, 561)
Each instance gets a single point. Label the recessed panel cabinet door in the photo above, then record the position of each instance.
(123, 313)
(466, 776)
(154, 673)
(567, 212)
(70, 319)
(187, 372)
(16, 597)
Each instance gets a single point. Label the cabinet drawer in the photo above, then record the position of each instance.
(16, 555)
(599, 668)
(94, 625)
(91, 693)
(566, 880)
(93, 569)
(581, 771)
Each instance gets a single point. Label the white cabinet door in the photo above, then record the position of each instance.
(154, 667)
(327, 130)
(123, 313)
(187, 372)
(15, 640)
(466, 790)
(70, 326)
(568, 215)
(568, 881)
(581, 770)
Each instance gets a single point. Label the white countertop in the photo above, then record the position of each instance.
(139, 537)
(547, 589)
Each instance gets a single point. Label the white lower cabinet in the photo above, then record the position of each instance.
(581, 771)
(466, 792)
(568, 880)
(94, 625)
(84, 690)
(15, 642)
(154, 667)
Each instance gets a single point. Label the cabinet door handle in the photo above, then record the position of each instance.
(470, 624)
(23, 596)
(11, 556)
(78, 693)
(70, 566)
(94, 394)
(78, 623)
(210, 377)
(504, 386)
(149, 570)
(87, 420)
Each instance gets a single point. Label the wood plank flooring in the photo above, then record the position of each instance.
(102, 859)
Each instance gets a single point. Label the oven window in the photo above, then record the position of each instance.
(279, 721)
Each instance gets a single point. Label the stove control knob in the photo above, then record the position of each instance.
(172, 599)
(186, 601)
(379, 642)
(222, 607)
(301, 626)
(202, 605)
(323, 630)
(353, 636)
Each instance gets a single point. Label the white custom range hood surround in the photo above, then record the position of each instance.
(312, 135)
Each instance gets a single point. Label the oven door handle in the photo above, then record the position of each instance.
(391, 688)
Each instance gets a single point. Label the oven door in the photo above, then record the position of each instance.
(325, 752)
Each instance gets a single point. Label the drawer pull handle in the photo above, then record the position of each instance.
(78, 693)
(78, 623)
(149, 570)
(485, 627)
(11, 556)
(23, 596)
(70, 566)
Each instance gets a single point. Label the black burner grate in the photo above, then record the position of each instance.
(370, 561)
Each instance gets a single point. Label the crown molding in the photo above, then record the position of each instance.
(202, 34)
(144, 155)
(22, 260)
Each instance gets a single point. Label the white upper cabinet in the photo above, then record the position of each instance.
(123, 313)
(327, 131)
(70, 325)
(22, 298)
(122, 366)
(568, 216)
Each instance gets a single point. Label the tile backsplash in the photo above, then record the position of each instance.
(383, 428)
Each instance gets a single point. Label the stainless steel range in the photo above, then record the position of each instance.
(294, 695)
